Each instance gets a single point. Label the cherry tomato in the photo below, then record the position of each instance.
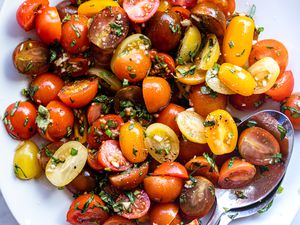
(167, 116)
(93, 112)
(238, 39)
(173, 169)
(138, 208)
(47, 151)
(164, 5)
(156, 93)
(45, 88)
(27, 12)
(162, 65)
(84, 182)
(183, 12)
(201, 166)
(132, 142)
(66, 8)
(140, 11)
(93, 7)
(163, 213)
(220, 132)
(227, 6)
(54, 121)
(93, 160)
(283, 87)
(270, 48)
(79, 93)
(104, 128)
(189, 150)
(85, 210)
(201, 95)
(291, 108)
(258, 146)
(251, 102)
(111, 157)
(118, 220)
(130, 178)
(184, 3)
(48, 25)
(19, 120)
(74, 37)
(163, 188)
(236, 173)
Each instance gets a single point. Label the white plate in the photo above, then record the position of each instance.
(36, 202)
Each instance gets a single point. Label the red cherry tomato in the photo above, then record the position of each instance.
(93, 112)
(283, 87)
(48, 25)
(183, 12)
(291, 108)
(93, 160)
(118, 220)
(173, 169)
(110, 157)
(162, 64)
(86, 210)
(140, 11)
(19, 120)
(27, 12)
(184, 3)
(226, 6)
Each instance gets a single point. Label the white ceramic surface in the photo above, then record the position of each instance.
(36, 202)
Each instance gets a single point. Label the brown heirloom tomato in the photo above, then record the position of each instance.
(251, 102)
(84, 182)
(66, 8)
(47, 151)
(189, 149)
(19, 120)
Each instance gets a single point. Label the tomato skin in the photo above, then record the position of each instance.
(162, 64)
(93, 160)
(270, 48)
(156, 93)
(74, 38)
(163, 213)
(78, 93)
(183, 12)
(93, 112)
(283, 87)
(163, 188)
(167, 116)
(226, 6)
(27, 12)
(172, 169)
(84, 182)
(291, 108)
(48, 25)
(78, 216)
(19, 120)
(238, 39)
(245, 103)
(48, 85)
(189, 149)
(118, 220)
(184, 3)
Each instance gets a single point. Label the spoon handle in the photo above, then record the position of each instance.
(225, 220)
(214, 220)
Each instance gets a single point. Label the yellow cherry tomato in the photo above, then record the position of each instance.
(238, 39)
(26, 163)
(164, 6)
(221, 132)
(188, 74)
(132, 142)
(209, 54)
(91, 8)
(237, 79)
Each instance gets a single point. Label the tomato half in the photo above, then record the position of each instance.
(183, 12)
(184, 3)
(140, 11)
(79, 93)
(291, 108)
(93, 112)
(189, 150)
(119, 220)
(162, 65)
(93, 160)
(87, 209)
(48, 25)
(173, 169)
(163, 213)
(251, 102)
(226, 6)
(27, 12)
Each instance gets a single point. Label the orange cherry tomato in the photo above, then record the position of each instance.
(183, 12)
(93, 160)
(132, 142)
(167, 116)
(163, 188)
(45, 88)
(236, 173)
(163, 213)
(291, 108)
(156, 93)
(226, 6)
(79, 93)
(85, 210)
(173, 169)
(118, 220)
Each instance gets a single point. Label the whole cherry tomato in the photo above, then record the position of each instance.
(163, 213)
(173, 169)
(251, 102)
(119, 220)
(291, 108)
(226, 6)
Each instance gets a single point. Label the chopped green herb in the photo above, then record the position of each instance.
(258, 104)
(185, 72)
(251, 123)
(208, 91)
(240, 194)
(53, 55)
(210, 161)
(129, 68)
(43, 118)
(277, 157)
(26, 122)
(280, 190)
(231, 44)
(266, 208)
(282, 131)
(132, 75)
(131, 126)
(111, 124)
(269, 47)
(73, 152)
(233, 216)
(134, 151)
(294, 112)
(260, 29)
(15, 108)
(117, 28)
(109, 133)
(252, 11)
(87, 203)
(73, 43)
(17, 168)
(194, 53)
(69, 131)
(231, 162)
(28, 67)
(125, 83)
(209, 123)
(175, 28)
(76, 30)
(66, 18)
(240, 54)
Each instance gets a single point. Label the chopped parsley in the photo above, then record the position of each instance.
(73, 152)
(282, 131)
(175, 28)
(76, 30)
(209, 123)
(117, 28)
(231, 44)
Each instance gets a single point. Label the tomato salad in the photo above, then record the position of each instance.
(131, 99)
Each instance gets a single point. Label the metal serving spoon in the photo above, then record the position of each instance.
(265, 181)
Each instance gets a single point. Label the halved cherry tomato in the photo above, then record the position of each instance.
(163, 213)
(162, 65)
(173, 169)
(48, 25)
(84, 182)
(74, 38)
(92, 7)
(66, 8)
(168, 115)
(156, 93)
(118, 220)
(188, 74)
(189, 150)
(45, 88)
(283, 87)
(80, 128)
(104, 128)
(93, 160)
(220, 132)
(19, 120)
(184, 3)
(79, 93)
(270, 48)
(227, 6)
(111, 157)
(136, 209)
(164, 6)
(130, 178)
(163, 188)
(291, 108)
(140, 11)
(236, 173)
(27, 12)
(183, 12)
(47, 151)
(93, 112)
(251, 102)
(86, 209)
(258, 146)
(200, 166)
